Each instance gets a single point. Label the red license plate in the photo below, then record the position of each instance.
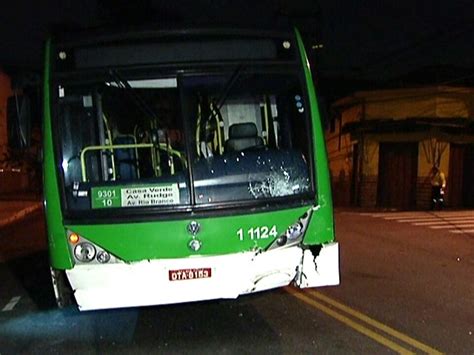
(189, 274)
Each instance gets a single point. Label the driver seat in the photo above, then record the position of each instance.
(242, 136)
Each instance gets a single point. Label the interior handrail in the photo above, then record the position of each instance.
(161, 146)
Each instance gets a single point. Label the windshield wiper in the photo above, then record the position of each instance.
(228, 86)
(136, 98)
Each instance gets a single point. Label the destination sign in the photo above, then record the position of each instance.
(135, 196)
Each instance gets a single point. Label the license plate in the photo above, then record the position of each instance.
(189, 274)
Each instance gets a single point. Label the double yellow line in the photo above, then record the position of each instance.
(329, 306)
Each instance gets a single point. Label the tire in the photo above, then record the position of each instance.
(62, 289)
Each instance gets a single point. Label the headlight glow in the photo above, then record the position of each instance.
(74, 238)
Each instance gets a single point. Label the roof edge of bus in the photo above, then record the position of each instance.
(111, 34)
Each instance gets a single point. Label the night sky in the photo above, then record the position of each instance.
(382, 38)
(362, 40)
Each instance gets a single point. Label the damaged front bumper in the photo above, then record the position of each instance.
(150, 283)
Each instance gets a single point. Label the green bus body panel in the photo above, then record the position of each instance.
(58, 248)
(169, 239)
(321, 228)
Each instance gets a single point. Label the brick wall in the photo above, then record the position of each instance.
(12, 181)
(423, 193)
(341, 191)
(368, 191)
(5, 92)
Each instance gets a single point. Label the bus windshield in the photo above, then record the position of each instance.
(183, 139)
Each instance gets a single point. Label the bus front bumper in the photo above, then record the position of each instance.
(168, 281)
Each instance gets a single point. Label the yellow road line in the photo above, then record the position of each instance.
(394, 333)
(358, 327)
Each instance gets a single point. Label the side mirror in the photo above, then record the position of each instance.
(19, 121)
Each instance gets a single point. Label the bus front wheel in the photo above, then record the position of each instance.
(62, 289)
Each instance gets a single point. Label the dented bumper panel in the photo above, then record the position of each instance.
(200, 278)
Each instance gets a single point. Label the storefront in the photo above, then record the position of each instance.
(382, 146)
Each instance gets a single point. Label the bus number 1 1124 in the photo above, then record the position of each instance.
(255, 233)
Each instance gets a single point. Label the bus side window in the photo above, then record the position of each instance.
(79, 130)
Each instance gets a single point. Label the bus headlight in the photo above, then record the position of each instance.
(84, 252)
(103, 257)
(87, 252)
(294, 231)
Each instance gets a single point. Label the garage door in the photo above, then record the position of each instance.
(398, 164)
(460, 187)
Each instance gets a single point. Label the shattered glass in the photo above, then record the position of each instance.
(280, 181)
(257, 174)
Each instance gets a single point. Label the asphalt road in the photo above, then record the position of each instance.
(405, 288)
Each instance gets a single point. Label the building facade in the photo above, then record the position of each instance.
(383, 144)
(5, 93)
(20, 168)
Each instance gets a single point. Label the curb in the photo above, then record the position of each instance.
(20, 214)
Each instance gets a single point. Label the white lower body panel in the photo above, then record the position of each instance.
(148, 282)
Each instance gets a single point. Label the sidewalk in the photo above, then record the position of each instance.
(12, 211)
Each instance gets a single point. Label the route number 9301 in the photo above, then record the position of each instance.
(256, 233)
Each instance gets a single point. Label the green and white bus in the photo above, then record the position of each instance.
(183, 166)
